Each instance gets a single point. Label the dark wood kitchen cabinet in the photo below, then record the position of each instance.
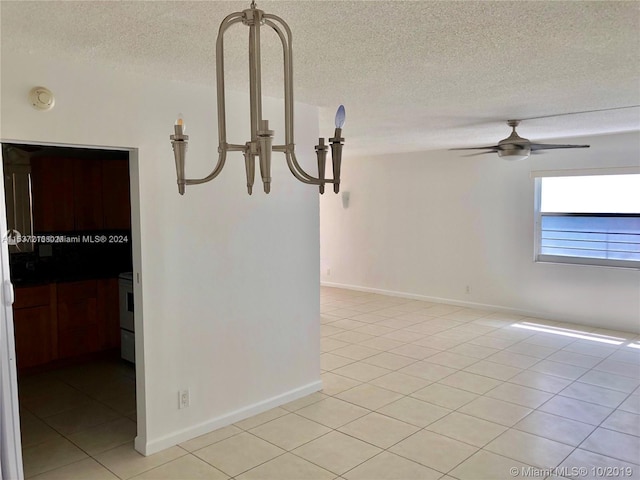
(65, 320)
(87, 194)
(78, 329)
(34, 322)
(80, 194)
(52, 184)
(116, 197)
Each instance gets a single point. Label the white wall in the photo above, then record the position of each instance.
(430, 223)
(230, 283)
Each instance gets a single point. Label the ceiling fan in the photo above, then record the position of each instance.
(514, 147)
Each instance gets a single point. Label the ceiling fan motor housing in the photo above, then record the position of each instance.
(514, 147)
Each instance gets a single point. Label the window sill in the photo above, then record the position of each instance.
(588, 262)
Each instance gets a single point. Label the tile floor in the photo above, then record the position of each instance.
(412, 390)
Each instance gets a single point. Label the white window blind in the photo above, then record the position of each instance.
(590, 219)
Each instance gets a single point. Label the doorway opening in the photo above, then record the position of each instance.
(71, 259)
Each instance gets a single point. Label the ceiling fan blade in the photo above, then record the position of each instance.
(511, 146)
(546, 146)
(493, 148)
(476, 154)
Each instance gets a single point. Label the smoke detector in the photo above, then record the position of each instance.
(41, 98)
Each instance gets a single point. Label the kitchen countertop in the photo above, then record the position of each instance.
(62, 263)
(34, 282)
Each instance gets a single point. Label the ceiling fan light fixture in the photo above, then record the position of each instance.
(514, 155)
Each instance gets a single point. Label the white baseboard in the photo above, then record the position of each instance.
(426, 298)
(153, 446)
(476, 305)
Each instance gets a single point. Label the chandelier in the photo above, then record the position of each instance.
(261, 144)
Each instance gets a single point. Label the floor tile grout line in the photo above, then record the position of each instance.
(528, 368)
(478, 334)
(555, 322)
(425, 401)
(66, 436)
(608, 456)
(554, 439)
(70, 409)
(600, 425)
(556, 350)
(54, 468)
(369, 443)
(249, 469)
(106, 467)
(387, 449)
(437, 381)
(433, 382)
(594, 403)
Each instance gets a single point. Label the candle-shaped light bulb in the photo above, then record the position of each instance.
(336, 148)
(340, 117)
(180, 122)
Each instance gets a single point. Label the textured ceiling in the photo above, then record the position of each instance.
(413, 75)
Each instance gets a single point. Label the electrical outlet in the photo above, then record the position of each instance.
(328, 272)
(183, 399)
(467, 289)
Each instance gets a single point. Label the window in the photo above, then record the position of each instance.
(588, 219)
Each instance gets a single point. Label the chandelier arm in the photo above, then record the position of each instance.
(222, 111)
(255, 87)
(297, 171)
(287, 53)
(300, 170)
(289, 148)
(223, 147)
(222, 158)
(300, 174)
